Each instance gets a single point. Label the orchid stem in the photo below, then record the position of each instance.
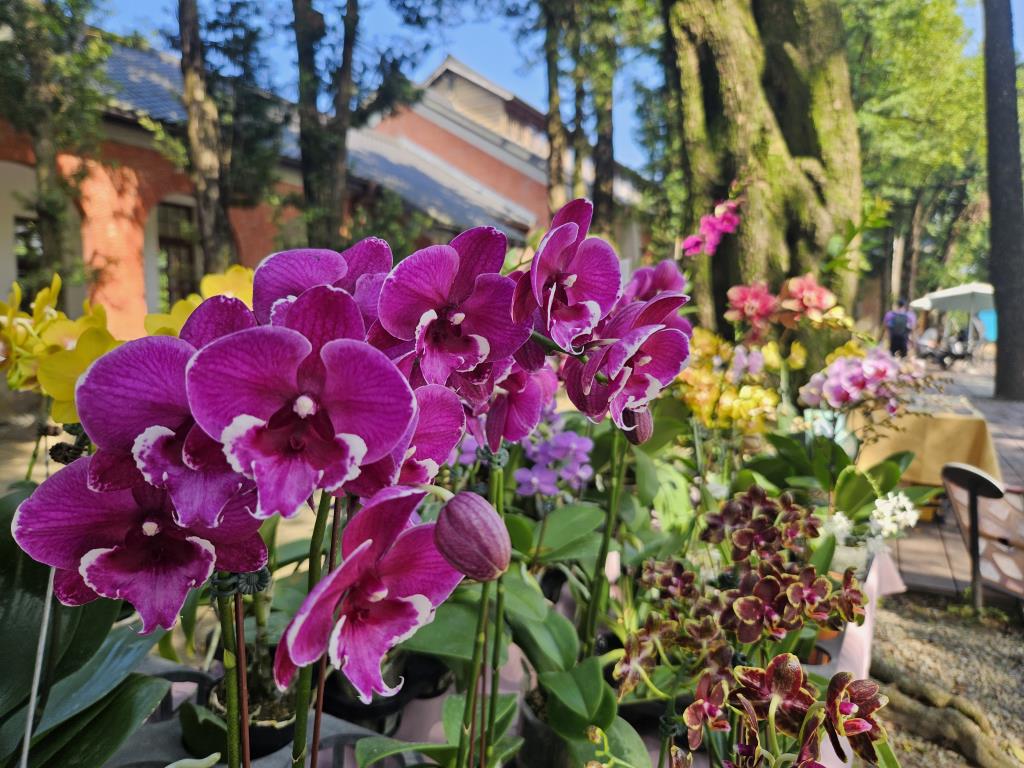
(337, 525)
(474, 675)
(618, 466)
(773, 736)
(497, 493)
(227, 634)
(243, 683)
(304, 688)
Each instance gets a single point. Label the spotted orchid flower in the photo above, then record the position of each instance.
(391, 579)
(303, 403)
(783, 680)
(132, 403)
(708, 708)
(574, 280)
(129, 545)
(850, 707)
(453, 303)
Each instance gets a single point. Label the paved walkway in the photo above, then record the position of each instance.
(933, 558)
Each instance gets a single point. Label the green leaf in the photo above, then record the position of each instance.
(886, 757)
(504, 750)
(623, 741)
(202, 730)
(451, 714)
(95, 621)
(523, 598)
(373, 749)
(550, 645)
(566, 525)
(792, 451)
(902, 459)
(806, 482)
(821, 559)
(94, 735)
(577, 698)
(121, 652)
(747, 478)
(450, 636)
(520, 531)
(886, 476)
(921, 494)
(647, 482)
(854, 489)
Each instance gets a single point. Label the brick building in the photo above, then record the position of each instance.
(468, 153)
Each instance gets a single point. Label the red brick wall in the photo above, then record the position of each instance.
(118, 194)
(502, 178)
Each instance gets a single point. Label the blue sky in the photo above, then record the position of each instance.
(489, 46)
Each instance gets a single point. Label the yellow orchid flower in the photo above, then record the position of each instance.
(169, 323)
(235, 281)
(772, 357)
(59, 372)
(44, 305)
(797, 356)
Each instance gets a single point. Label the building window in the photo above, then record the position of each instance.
(176, 244)
(30, 265)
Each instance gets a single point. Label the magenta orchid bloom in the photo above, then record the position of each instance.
(359, 270)
(132, 403)
(391, 579)
(754, 305)
(301, 404)
(435, 430)
(128, 545)
(452, 301)
(514, 408)
(574, 280)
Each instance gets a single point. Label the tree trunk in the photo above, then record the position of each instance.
(766, 101)
(603, 80)
(340, 124)
(554, 126)
(1006, 196)
(314, 141)
(918, 220)
(579, 114)
(204, 151)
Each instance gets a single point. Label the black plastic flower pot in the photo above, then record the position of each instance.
(542, 747)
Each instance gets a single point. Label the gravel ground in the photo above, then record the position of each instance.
(981, 660)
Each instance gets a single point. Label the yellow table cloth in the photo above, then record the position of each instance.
(937, 430)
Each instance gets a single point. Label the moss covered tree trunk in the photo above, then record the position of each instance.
(765, 100)
(554, 126)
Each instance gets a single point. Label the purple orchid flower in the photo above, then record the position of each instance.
(359, 270)
(128, 545)
(574, 280)
(514, 410)
(391, 579)
(132, 404)
(452, 301)
(435, 430)
(301, 404)
(533, 480)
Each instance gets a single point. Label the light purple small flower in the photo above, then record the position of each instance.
(452, 301)
(128, 545)
(539, 479)
(391, 579)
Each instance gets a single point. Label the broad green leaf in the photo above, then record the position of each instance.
(523, 598)
(520, 531)
(504, 750)
(550, 645)
(120, 654)
(450, 635)
(792, 451)
(773, 468)
(373, 749)
(902, 459)
(202, 730)
(577, 698)
(623, 741)
(746, 478)
(854, 489)
(646, 472)
(821, 558)
(805, 482)
(94, 735)
(95, 621)
(566, 525)
(921, 494)
(581, 550)
(886, 476)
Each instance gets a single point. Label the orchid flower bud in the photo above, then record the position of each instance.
(472, 537)
(642, 423)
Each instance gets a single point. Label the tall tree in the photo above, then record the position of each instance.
(552, 19)
(51, 88)
(766, 100)
(1006, 193)
(204, 146)
(602, 62)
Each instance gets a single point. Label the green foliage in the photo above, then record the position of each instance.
(384, 214)
(578, 698)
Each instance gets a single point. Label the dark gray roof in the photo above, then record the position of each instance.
(149, 83)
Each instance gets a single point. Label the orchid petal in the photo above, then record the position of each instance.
(217, 316)
(416, 285)
(289, 273)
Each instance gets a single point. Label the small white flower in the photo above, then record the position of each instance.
(893, 514)
(840, 526)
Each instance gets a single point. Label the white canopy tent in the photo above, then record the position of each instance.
(971, 298)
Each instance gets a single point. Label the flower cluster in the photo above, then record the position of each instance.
(558, 459)
(622, 349)
(892, 514)
(780, 700)
(724, 220)
(873, 380)
(755, 309)
(346, 375)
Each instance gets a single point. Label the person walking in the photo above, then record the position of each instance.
(899, 324)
